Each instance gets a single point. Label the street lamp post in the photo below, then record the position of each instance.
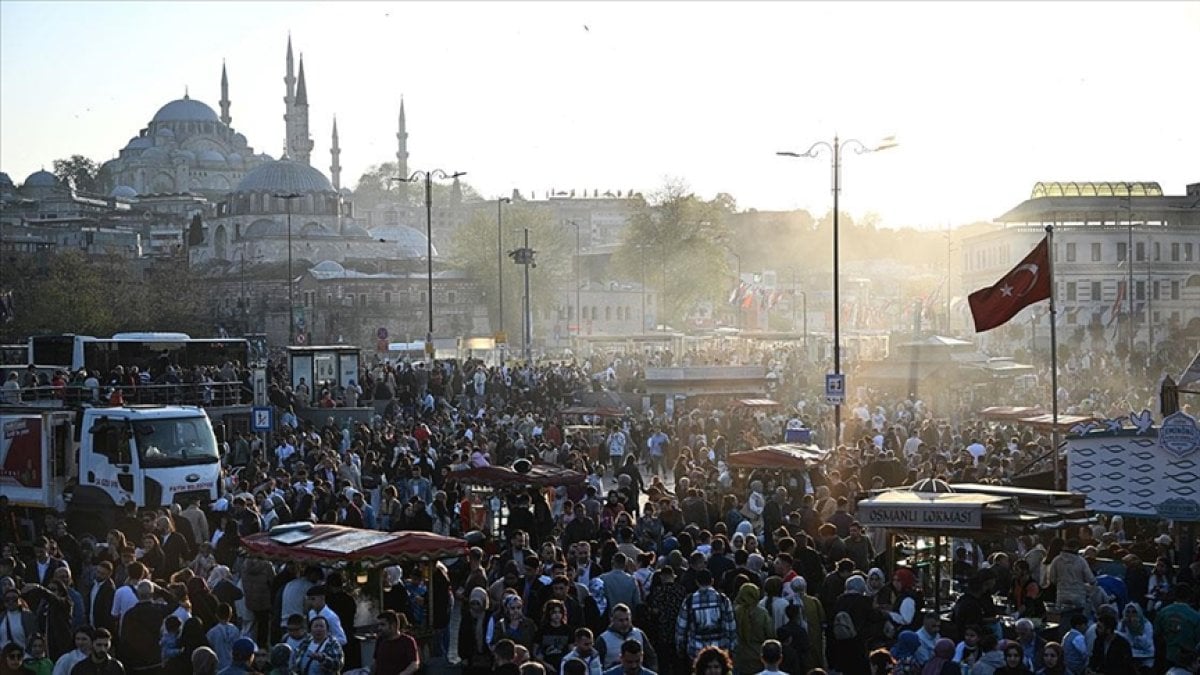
(287, 200)
(500, 256)
(428, 177)
(525, 256)
(804, 309)
(836, 148)
(578, 308)
(1129, 263)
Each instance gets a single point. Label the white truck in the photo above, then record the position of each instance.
(90, 462)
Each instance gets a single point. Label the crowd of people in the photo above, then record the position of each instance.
(663, 560)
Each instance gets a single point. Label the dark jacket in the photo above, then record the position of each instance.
(140, 635)
(1112, 657)
(98, 613)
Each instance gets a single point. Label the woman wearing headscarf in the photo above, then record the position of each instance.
(812, 615)
(204, 603)
(204, 662)
(1054, 660)
(879, 590)
(595, 607)
(773, 601)
(942, 662)
(1140, 633)
(905, 654)
(513, 625)
(754, 626)
(848, 654)
(906, 608)
(473, 648)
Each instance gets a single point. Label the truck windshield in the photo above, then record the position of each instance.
(175, 442)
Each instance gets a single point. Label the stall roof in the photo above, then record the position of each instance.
(758, 403)
(788, 456)
(326, 544)
(1004, 413)
(541, 475)
(1045, 422)
(593, 410)
(1018, 492)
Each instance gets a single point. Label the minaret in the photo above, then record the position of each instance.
(300, 144)
(225, 118)
(402, 150)
(289, 98)
(335, 169)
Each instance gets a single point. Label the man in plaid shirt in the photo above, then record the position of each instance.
(705, 619)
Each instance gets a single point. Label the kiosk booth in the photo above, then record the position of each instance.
(931, 514)
(332, 366)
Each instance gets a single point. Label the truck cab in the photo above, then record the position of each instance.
(150, 455)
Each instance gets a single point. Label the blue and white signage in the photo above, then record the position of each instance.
(261, 418)
(1179, 434)
(835, 388)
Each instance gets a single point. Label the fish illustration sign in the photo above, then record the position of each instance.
(1144, 471)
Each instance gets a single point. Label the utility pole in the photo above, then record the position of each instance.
(500, 261)
(291, 311)
(525, 256)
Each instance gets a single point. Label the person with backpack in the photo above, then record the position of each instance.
(705, 619)
(851, 613)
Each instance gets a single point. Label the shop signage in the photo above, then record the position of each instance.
(1179, 434)
(922, 516)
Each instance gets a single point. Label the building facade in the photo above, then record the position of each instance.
(1126, 259)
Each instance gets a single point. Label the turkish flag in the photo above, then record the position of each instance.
(1025, 284)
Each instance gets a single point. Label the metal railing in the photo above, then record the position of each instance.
(207, 394)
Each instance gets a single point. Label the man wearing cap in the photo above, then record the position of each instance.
(243, 650)
(317, 607)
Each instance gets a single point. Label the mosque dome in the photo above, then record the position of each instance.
(315, 229)
(355, 231)
(42, 178)
(211, 156)
(154, 154)
(123, 192)
(285, 176)
(328, 267)
(234, 158)
(265, 227)
(165, 132)
(412, 242)
(4, 179)
(139, 143)
(185, 110)
(186, 155)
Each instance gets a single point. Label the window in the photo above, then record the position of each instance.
(1139, 251)
(1187, 252)
(1071, 290)
(570, 312)
(1175, 252)
(1174, 290)
(1140, 290)
(387, 297)
(1122, 251)
(1071, 252)
(1096, 250)
(1157, 251)
(362, 299)
(451, 297)
(1154, 288)
(1095, 290)
(608, 313)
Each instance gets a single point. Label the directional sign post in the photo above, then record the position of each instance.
(262, 418)
(835, 388)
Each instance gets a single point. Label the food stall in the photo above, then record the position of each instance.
(932, 513)
(796, 457)
(487, 479)
(362, 553)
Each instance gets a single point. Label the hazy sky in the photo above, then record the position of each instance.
(985, 98)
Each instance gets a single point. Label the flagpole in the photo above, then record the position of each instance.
(1053, 360)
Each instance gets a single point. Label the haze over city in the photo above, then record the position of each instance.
(985, 98)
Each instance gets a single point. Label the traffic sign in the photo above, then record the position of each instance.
(301, 338)
(261, 418)
(835, 388)
(382, 333)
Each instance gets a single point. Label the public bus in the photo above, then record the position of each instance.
(148, 351)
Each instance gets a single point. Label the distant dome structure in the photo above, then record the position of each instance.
(931, 485)
(185, 109)
(139, 143)
(412, 242)
(329, 267)
(355, 231)
(211, 156)
(123, 192)
(285, 176)
(41, 179)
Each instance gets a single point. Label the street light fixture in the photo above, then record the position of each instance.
(500, 258)
(578, 309)
(836, 148)
(428, 177)
(525, 256)
(287, 200)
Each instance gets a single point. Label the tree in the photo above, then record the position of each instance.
(378, 185)
(79, 172)
(474, 246)
(71, 293)
(680, 241)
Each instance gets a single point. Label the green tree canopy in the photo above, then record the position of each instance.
(474, 248)
(681, 241)
(378, 185)
(79, 172)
